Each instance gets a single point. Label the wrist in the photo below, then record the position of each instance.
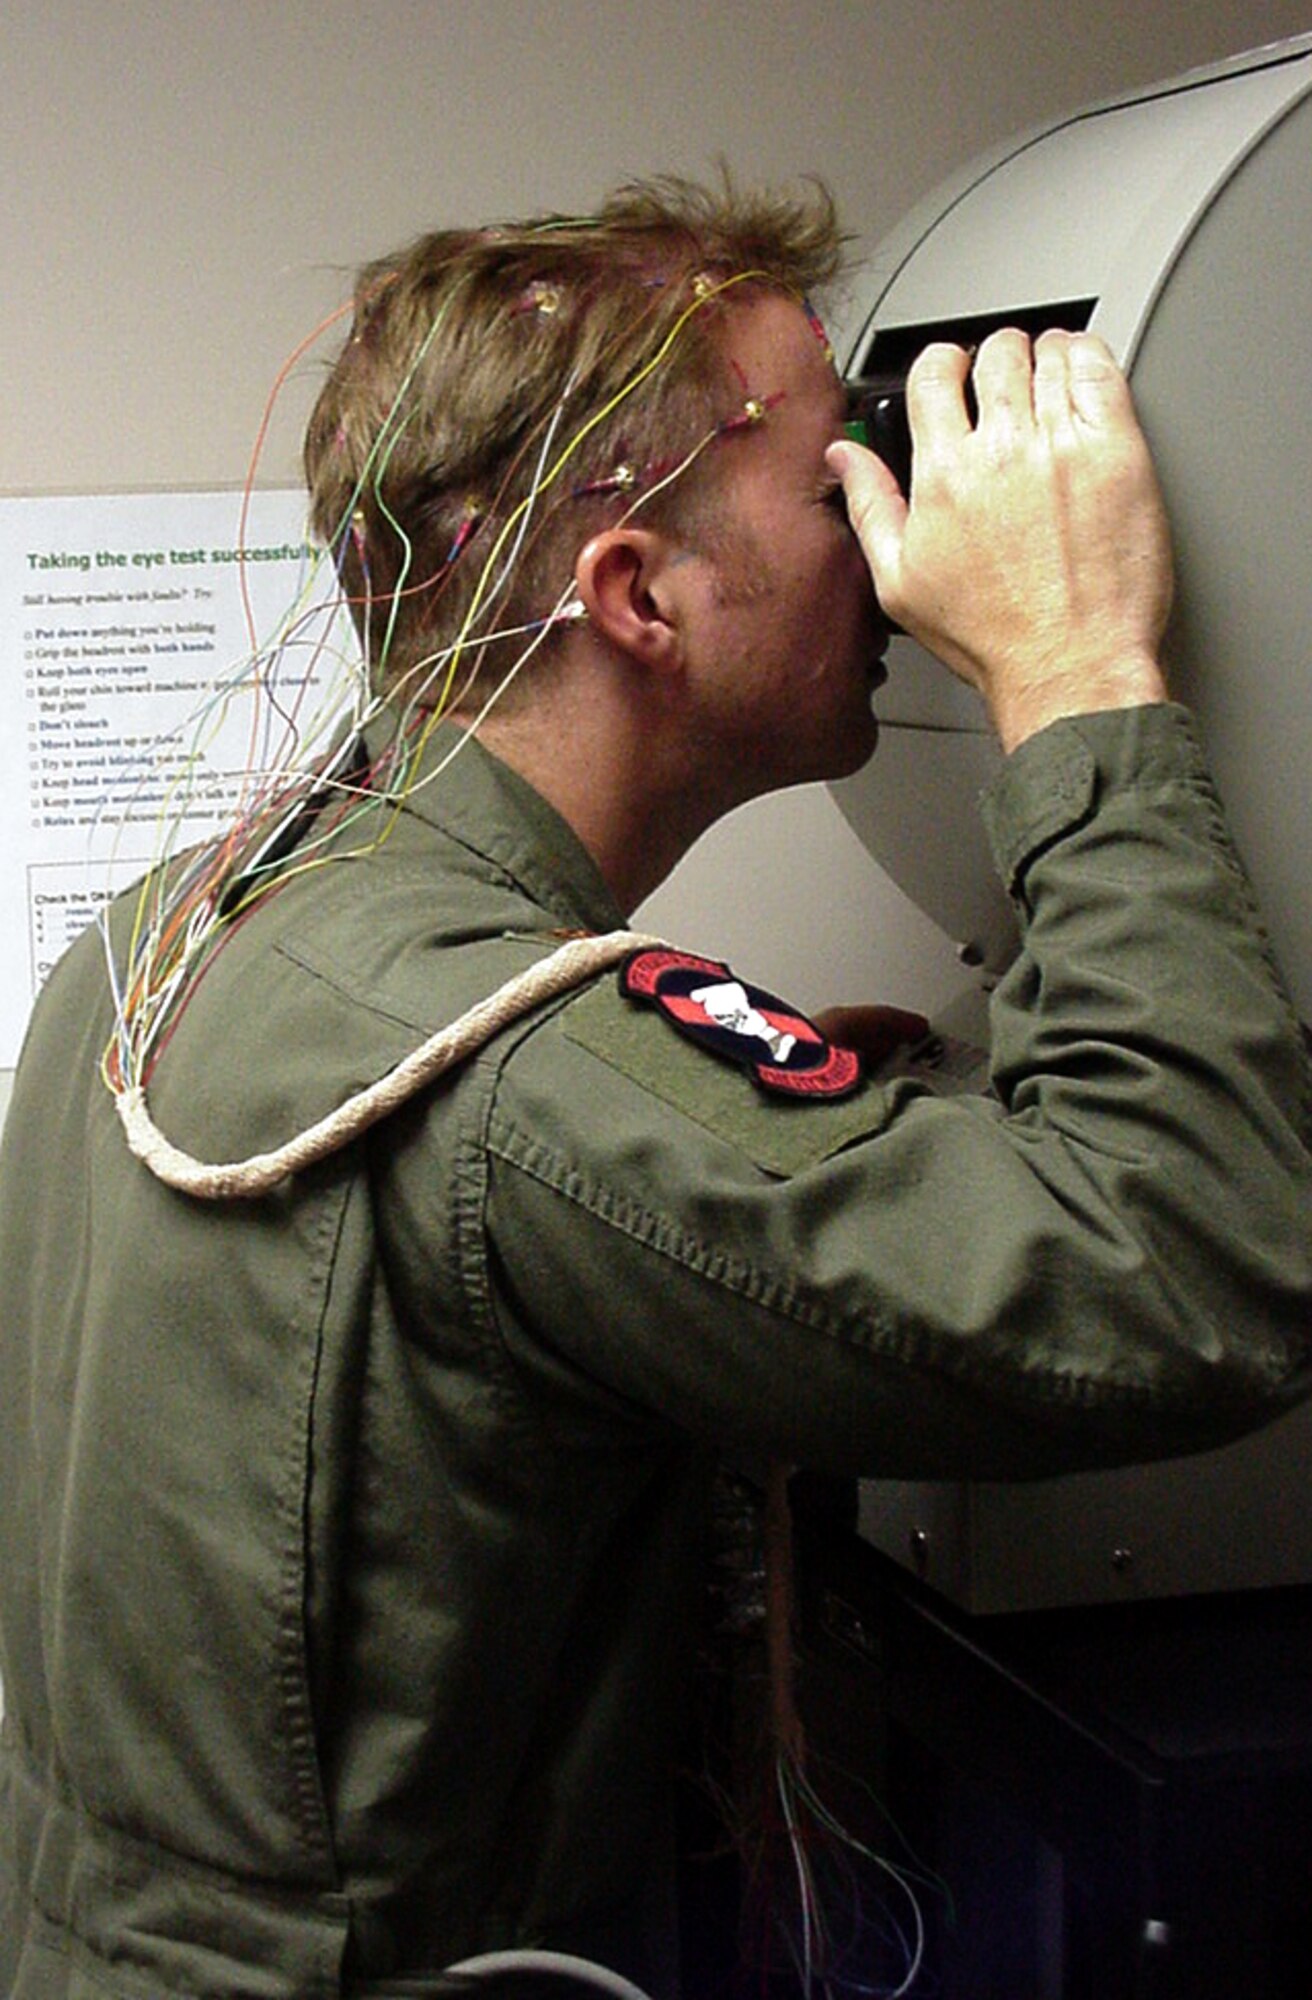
(1019, 711)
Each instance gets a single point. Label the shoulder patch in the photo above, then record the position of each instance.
(782, 1133)
(782, 1051)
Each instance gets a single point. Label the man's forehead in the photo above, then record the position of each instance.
(778, 343)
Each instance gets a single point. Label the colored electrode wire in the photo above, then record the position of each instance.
(830, 1869)
(187, 909)
(703, 292)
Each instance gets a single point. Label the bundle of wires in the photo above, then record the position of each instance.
(303, 783)
(824, 1914)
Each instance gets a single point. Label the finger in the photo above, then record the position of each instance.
(1100, 394)
(1003, 377)
(936, 399)
(1052, 383)
(875, 505)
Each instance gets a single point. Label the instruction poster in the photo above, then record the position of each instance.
(138, 635)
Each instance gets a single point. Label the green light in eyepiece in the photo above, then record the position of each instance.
(858, 430)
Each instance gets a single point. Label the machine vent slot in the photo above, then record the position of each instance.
(891, 351)
(877, 384)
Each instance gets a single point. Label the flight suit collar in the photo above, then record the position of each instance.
(478, 801)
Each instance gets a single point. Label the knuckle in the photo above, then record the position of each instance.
(1005, 344)
(941, 361)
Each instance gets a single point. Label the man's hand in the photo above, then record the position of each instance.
(873, 1032)
(1034, 556)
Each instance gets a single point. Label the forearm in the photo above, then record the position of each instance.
(1113, 1261)
(1145, 1029)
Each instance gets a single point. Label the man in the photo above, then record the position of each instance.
(353, 1526)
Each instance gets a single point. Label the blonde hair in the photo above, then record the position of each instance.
(503, 391)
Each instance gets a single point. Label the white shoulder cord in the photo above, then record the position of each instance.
(575, 961)
(572, 1976)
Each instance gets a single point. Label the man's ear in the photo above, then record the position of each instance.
(626, 581)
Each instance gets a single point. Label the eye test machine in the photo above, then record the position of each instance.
(1087, 1702)
(1177, 223)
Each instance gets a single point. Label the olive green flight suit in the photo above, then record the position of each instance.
(352, 1535)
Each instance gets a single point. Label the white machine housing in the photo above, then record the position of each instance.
(1177, 223)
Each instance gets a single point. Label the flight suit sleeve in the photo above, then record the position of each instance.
(1105, 1259)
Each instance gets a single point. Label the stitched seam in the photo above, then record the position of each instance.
(662, 1236)
(292, 1667)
